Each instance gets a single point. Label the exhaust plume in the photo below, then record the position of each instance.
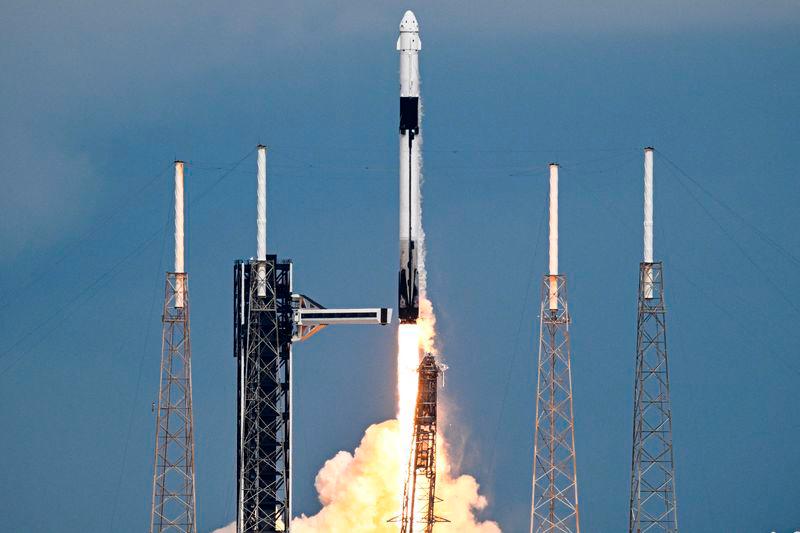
(359, 491)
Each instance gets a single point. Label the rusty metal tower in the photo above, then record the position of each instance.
(174, 505)
(268, 318)
(554, 506)
(419, 493)
(652, 504)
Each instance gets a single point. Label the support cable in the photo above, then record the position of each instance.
(89, 289)
(71, 248)
(515, 346)
(762, 234)
(611, 210)
(738, 245)
(139, 374)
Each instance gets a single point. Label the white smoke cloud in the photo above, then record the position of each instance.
(359, 491)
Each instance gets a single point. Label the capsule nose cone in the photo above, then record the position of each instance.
(409, 23)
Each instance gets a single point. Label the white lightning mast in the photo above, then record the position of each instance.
(174, 507)
(553, 236)
(261, 220)
(179, 265)
(648, 220)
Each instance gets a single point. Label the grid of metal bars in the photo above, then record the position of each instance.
(174, 506)
(420, 487)
(264, 394)
(652, 504)
(554, 506)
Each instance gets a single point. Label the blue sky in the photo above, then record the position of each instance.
(96, 101)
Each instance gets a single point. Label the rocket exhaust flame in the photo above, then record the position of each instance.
(408, 356)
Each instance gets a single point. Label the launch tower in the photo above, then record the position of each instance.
(420, 486)
(174, 506)
(268, 318)
(652, 504)
(554, 506)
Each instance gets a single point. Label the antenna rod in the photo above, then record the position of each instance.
(648, 222)
(261, 204)
(648, 205)
(179, 265)
(261, 220)
(553, 236)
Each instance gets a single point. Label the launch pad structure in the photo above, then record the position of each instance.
(174, 506)
(554, 505)
(420, 485)
(653, 506)
(268, 318)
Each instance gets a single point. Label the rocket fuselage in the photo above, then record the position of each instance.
(409, 45)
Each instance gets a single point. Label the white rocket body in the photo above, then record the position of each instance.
(409, 45)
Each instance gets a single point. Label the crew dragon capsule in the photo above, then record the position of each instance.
(409, 45)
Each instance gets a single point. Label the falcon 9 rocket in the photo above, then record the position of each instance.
(409, 45)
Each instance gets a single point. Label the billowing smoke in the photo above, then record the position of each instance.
(359, 491)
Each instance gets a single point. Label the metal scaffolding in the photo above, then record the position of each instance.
(262, 344)
(267, 318)
(554, 506)
(420, 486)
(173, 506)
(652, 503)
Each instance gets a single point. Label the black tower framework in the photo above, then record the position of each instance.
(262, 344)
(652, 504)
(267, 318)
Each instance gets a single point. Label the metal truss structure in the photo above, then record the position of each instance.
(268, 318)
(420, 486)
(554, 506)
(262, 344)
(174, 506)
(652, 504)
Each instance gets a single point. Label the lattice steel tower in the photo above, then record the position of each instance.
(652, 503)
(268, 318)
(264, 370)
(174, 505)
(554, 506)
(419, 492)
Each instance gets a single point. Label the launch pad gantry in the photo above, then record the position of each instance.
(268, 318)
(419, 491)
(653, 506)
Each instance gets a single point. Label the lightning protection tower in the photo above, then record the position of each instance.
(420, 486)
(652, 504)
(554, 506)
(268, 318)
(174, 505)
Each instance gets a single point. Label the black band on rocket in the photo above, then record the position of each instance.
(409, 113)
